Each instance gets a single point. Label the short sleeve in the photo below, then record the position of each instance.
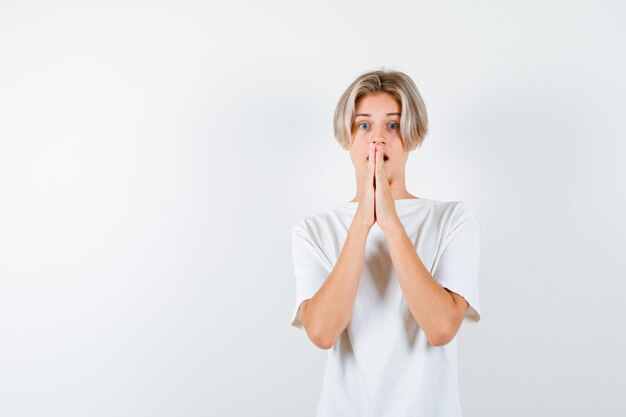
(459, 263)
(311, 268)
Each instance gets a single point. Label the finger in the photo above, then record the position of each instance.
(371, 161)
(372, 165)
(380, 163)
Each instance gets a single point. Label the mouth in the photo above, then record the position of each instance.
(385, 158)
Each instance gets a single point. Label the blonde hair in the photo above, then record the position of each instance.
(413, 122)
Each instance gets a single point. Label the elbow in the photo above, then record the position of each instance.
(316, 333)
(441, 338)
(322, 341)
(446, 332)
(439, 341)
(325, 345)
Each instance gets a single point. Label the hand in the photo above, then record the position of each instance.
(365, 212)
(386, 215)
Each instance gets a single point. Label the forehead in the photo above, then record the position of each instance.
(377, 103)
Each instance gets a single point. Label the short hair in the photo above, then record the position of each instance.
(413, 122)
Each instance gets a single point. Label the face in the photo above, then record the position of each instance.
(377, 120)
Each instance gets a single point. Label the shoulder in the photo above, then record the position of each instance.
(451, 218)
(316, 224)
(454, 212)
(461, 225)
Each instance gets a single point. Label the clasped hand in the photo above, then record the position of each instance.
(377, 204)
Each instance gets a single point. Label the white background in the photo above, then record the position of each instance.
(155, 155)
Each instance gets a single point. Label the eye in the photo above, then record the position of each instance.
(393, 125)
(363, 123)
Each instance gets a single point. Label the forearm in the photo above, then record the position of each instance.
(430, 304)
(329, 311)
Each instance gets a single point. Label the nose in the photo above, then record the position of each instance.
(378, 140)
(378, 136)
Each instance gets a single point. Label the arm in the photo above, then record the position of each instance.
(438, 311)
(326, 314)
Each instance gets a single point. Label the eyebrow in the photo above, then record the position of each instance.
(369, 115)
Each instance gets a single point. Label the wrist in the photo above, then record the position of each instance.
(359, 228)
(393, 228)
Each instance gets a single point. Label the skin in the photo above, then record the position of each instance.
(375, 133)
(437, 310)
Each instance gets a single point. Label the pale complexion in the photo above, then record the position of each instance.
(379, 157)
(438, 311)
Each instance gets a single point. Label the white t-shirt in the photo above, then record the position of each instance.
(382, 364)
